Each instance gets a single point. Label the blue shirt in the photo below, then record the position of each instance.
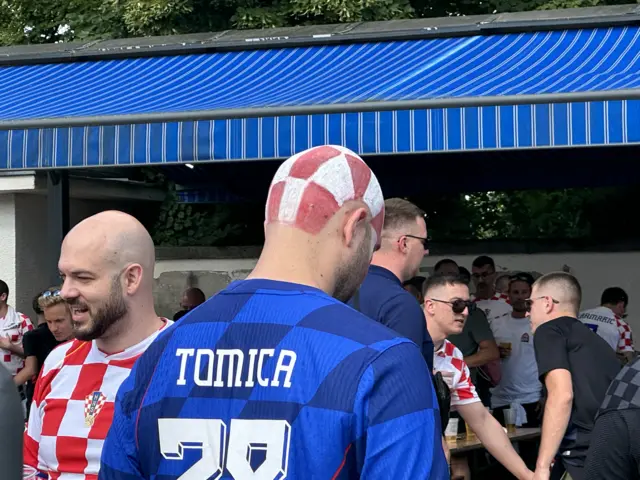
(278, 379)
(383, 299)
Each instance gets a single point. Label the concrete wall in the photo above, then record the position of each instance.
(596, 271)
(23, 243)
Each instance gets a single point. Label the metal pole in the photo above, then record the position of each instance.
(57, 218)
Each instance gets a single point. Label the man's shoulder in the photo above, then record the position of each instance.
(71, 352)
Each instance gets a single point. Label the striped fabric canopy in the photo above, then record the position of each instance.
(228, 106)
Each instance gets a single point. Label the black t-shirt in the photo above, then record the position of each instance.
(566, 343)
(39, 343)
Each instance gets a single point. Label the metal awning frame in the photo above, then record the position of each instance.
(322, 109)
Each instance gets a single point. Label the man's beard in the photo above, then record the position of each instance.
(106, 316)
(349, 276)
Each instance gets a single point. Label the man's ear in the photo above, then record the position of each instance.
(133, 278)
(354, 220)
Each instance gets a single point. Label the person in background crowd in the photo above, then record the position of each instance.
(607, 321)
(414, 287)
(465, 275)
(519, 383)
(11, 428)
(446, 307)
(614, 451)
(342, 396)
(502, 287)
(476, 340)
(576, 368)
(483, 273)
(13, 326)
(38, 344)
(381, 296)
(106, 263)
(191, 298)
(37, 310)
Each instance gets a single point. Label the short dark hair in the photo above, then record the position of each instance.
(4, 288)
(444, 261)
(563, 281)
(415, 282)
(465, 275)
(399, 212)
(614, 295)
(195, 294)
(482, 261)
(436, 281)
(36, 305)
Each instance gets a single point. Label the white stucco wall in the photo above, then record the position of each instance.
(595, 271)
(8, 241)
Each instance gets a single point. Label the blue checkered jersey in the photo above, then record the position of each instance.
(272, 380)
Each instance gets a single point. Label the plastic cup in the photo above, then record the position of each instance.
(510, 420)
(451, 432)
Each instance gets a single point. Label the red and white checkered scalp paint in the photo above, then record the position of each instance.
(311, 186)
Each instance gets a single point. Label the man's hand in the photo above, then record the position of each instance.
(5, 343)
(541, 474)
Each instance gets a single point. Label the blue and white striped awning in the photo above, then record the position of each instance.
(520, 90)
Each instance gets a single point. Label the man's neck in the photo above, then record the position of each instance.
(515, 314)
(384, 260)
(4, 308)
(130, 331)
(436, 335)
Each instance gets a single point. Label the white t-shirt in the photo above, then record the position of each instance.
(519, 383)
(494, 307)
(449, 359)
(609, 326)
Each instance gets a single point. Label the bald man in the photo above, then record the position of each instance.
(107, 264)
(576, 368)
(275, 376)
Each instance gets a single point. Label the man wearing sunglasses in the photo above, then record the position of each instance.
(576, 368)
(381, 296)
(446, 307)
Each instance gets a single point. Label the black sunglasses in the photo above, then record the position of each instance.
(530, 301)
(458, 306)
(425, 241)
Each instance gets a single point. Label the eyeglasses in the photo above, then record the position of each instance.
(425, 241)
(49, 293)
(529, 302)
(458, 306)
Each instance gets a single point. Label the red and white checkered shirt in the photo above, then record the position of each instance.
(449, 359)
(73, 407)
(14, 327)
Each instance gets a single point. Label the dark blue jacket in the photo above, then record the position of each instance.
(382, 298)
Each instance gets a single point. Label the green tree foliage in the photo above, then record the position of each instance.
(48, 21)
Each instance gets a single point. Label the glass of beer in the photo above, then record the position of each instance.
(510, 420)
(505, 349)
(470, 434)
(451, 432)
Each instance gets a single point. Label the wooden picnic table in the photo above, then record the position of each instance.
(467, 445)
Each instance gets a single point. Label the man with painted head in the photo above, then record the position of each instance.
(446, 308)
(106, 263)
(275, 376)
(382, 296)
(576, 368)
